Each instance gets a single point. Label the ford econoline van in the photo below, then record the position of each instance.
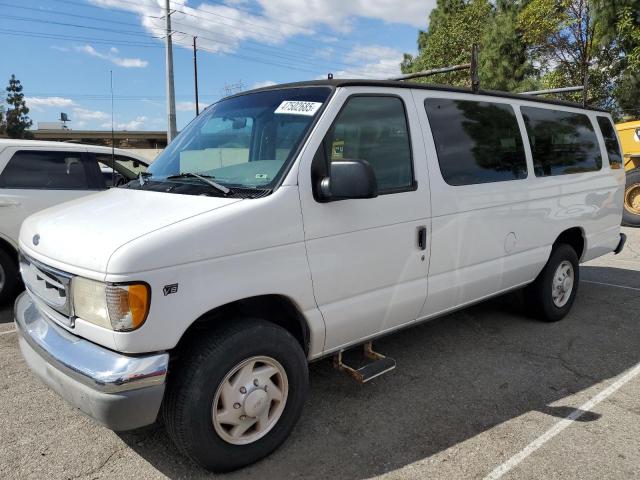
(292, 223)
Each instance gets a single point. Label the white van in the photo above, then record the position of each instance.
(290, 223)
(35, 175)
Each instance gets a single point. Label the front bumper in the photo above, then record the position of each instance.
(122, 392)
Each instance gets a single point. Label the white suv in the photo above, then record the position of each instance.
(35, 175)
(291, 223)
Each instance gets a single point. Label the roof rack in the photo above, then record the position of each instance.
(475, 81)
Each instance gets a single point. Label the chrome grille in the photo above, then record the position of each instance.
(47, 284)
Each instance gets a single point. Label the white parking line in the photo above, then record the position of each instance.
(611, 285)
(8, 332)
(562, 424)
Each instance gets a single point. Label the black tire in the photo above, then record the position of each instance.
(629, 218)
(539, 295)
(9, 277)
(204, 364)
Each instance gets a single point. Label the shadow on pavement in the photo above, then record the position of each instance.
(565, 411)
(456, 377)
(615, 276)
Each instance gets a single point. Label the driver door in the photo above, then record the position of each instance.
(368, 267)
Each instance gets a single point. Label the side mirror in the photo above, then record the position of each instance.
(348, 179)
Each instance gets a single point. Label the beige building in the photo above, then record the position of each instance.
(146, 143)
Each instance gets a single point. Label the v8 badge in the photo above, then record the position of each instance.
(169, 289)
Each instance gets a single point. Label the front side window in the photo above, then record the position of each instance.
(561, 142)
(610, 142)
(48, 171)
(374, 128)
(243, 142)
(476, 142)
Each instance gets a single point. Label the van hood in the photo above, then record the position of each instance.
(85, 232)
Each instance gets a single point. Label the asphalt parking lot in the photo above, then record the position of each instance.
(483, 392)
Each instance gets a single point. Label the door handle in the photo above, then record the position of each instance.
(422, 238)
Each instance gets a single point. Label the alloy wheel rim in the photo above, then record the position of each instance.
(562, 287)
(250, 400)
(632, 198)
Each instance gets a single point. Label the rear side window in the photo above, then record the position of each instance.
(47, 171)
(476, 142)
(610, 142)
(561, 142)
(374, 128)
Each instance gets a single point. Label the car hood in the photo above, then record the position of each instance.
(85, 232)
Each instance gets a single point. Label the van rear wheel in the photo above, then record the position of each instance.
(631, 212)
(552, 294)
(236, 394)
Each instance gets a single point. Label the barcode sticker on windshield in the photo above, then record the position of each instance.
(296, 107)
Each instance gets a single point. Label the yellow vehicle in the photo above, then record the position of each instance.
(629, 133)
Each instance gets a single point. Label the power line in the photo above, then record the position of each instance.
(240, 20)
(298, 58)
(285, 55)
(234, 55)
(75, 25)
(39, 10)
(27, 33)
(305, 45)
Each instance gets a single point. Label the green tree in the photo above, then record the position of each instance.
(504, 62)
(620, 20)
(454, 26)
(563, 38)
(18, 120)
(2, 123)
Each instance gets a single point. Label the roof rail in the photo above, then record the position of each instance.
(473, 66)
(553, 90)
(433, 71)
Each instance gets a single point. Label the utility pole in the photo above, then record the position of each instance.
(171, 93)
(195, 73)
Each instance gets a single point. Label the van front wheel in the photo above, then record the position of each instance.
(236, 394)
(552, 294)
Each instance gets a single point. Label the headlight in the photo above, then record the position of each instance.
(119, 307)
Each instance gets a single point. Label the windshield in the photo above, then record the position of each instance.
(245, 141)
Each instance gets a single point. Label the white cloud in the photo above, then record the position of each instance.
(59, 48)
(38, 103)
(135, 124)
(112, 56)
(373, 61)
(222, 27)
(338, 13)
(85, 114)
(266, 83)
(189, 106)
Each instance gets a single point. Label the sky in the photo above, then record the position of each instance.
(63, 51)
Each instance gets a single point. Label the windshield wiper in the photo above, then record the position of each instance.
(221, 188)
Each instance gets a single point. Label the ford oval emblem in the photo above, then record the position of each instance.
(36, 239)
